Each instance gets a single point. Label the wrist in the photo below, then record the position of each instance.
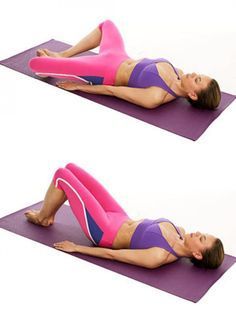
(78, 248)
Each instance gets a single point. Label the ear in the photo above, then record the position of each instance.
(192, 95)
(197, 255)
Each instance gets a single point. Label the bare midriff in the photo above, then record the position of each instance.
(124, 71)
(125, 233)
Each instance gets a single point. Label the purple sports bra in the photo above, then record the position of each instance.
(148, 234)
(145, 74)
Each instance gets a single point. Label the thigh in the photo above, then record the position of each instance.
(108, 203)
(88, 211)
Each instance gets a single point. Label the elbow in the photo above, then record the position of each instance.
(152, 266)
(109, 90)
(111, 254)
(150, 105)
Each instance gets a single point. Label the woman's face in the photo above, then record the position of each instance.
(199, 242)
(193, 83)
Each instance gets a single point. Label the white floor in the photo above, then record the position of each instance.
(150, 171)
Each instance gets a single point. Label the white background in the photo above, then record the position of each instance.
(151, 172)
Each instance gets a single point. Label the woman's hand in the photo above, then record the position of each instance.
(65, 246)
(87, 88)
(68, 85)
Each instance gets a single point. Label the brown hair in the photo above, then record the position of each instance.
(211, 258)
(208, 98)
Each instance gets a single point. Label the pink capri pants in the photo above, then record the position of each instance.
(98, 69)
(99, 215)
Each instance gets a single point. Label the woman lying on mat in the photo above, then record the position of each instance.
(147, 243)
(147, 82)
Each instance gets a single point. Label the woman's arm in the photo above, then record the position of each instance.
(149, 97)
(145, 97)
(148, 258)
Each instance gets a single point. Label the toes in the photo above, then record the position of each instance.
(28, 213)
(31, 216)
(46, 52)
(42, 53)
(39, 52)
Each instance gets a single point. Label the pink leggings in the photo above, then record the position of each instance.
(98, 69)
(99, 215)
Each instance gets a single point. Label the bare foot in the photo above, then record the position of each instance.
(47, 53)
(34, 217)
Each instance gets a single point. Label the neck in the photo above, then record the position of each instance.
(182, 249)
(178, 89)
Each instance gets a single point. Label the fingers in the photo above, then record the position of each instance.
(58, 246)
(66, 85)
(62, 84)
(60, 243)
(63, 245)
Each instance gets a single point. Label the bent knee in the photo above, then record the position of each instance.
(39, 64)
(106, 22)
(60, 173)
(32, 63)
(70, 165)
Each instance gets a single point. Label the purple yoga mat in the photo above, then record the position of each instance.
(177, 116)
(180, 278)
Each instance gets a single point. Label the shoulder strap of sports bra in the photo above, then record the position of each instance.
(164, 85)
(167, 61)
(167, 220)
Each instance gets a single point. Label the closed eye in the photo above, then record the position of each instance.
(198, 80)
